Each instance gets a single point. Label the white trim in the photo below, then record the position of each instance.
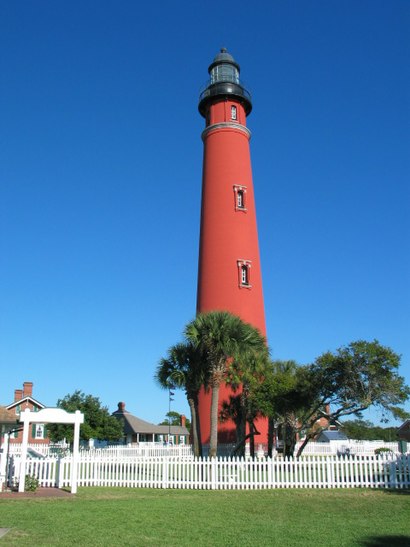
(241, 264)
(56, 416)
(26, 398)
(243, 189)
(226, 126)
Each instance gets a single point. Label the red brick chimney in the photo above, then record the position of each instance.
(183, 420)
(27, 389)
(121, 407)
(18, 394)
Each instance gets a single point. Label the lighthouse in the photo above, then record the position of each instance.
(229, 271)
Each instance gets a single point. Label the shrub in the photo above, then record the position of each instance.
(31, 483)
(383, 450)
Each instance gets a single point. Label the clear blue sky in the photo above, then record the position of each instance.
(100, 176)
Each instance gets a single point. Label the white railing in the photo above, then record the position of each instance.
(145, 451)
(133, 451)
(159, 449)
(347, 447)
(44, 449)
(222, 473)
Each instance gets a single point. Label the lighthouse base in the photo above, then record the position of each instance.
(227, 430)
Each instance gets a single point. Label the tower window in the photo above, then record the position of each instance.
(244, 273)
(234, 113)
(240, 197)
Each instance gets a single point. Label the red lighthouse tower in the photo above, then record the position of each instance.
(229, 277)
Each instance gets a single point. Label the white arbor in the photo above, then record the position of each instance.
(54, 416)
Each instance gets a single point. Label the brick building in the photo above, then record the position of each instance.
(23, 398)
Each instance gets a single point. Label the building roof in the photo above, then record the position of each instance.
(26, 400)
(223, 57)
(7, 416)
(133, 425)
(404, 426)
(329, 435)
(403, 432)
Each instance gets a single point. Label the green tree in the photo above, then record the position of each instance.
(98, 423)
(306, 399)
(222, 339)
(183, 367)
(349, 381)
(174, 418)
(281, 397)
(363, 430)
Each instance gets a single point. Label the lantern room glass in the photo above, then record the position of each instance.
(224, 73)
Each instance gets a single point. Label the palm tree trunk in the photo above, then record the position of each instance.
(241, 428)
(198, 425)
(289, 440)
(271, 431)
(213, 441)
(253, 431)
(251, 441)
(194, 430)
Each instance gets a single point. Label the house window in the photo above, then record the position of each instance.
(244, 273)
(18, 409)
(40, 431)
(37, 431)
(182, 440)
(240, 197)
(234, 113)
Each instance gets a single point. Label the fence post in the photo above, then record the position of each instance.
(392, 474)
(12, 471)
(213, 473)
(58, 468)
(165, 472)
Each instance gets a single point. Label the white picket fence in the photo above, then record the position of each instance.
(222, 473)
(40, 448)
(147, 450)
(159, 449)
(347, 447)
(141, 450)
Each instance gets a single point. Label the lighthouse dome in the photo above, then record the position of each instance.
(223, 57)
(224, 83)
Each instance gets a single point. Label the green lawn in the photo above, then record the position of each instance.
(119, 517)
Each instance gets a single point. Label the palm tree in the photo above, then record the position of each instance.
(246, 377)
(222, 339)
(183, 368)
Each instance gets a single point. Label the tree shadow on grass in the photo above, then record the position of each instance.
(397, 491)
(386, 541)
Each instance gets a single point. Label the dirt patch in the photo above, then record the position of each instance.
(39, 493)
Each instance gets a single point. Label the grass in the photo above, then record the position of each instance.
(120, 516)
